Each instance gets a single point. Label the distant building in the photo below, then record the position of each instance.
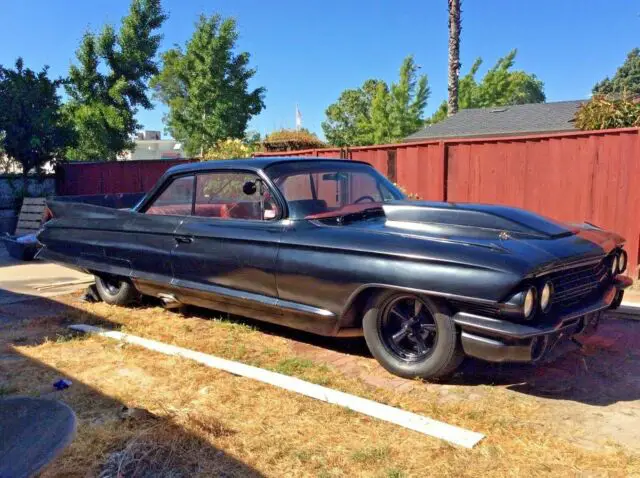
(553, 117)
(150, 146)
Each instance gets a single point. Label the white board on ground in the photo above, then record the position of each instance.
(456, 435)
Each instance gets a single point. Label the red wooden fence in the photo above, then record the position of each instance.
(76, 179)
(589, 176)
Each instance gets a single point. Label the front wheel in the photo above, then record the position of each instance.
(411, 335)
(115, 290)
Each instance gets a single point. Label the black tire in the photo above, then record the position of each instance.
(116, 290)
(431, 325)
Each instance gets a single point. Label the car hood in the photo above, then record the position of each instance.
(502, 237)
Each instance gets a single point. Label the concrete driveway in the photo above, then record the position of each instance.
(21, 281)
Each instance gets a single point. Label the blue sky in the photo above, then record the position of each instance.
(307, 52)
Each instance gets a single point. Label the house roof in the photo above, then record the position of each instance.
(503, 120)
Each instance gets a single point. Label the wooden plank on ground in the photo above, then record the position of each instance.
(34, 201)
(24, 232)
(412, 421)
(31, 216)
(39, 208)
(28, 224)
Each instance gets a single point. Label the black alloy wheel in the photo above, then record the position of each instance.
(412, 335)
(407, 328)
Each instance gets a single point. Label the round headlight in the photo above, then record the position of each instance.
(545, 297)
(529, 302)
(622, 261)
(614, 265)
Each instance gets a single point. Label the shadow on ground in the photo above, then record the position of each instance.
(605, 370)
(144, 444)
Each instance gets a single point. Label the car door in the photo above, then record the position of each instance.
(154, 229)
(226, 251)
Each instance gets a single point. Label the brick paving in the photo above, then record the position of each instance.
(592, 392)
(604, 369)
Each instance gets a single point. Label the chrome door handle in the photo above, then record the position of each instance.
(183, 239)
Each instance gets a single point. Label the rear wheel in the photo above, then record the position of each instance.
(115, 290)
(411, 335)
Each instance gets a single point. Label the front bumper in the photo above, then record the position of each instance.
(499, 340)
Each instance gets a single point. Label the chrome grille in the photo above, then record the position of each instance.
(572, 285)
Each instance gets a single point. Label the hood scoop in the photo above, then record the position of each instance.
(499, 220)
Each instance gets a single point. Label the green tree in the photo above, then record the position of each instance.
(206, 87)
(501, 86)
(378, 113)
(348, 120)
(380, 125)
(407, 101)
(32, 129)
(625, 81)
(110, 82)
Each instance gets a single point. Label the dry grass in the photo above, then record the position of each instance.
(211, 423)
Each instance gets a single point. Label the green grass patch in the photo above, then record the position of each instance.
(7, 390)
(293, 366)
(371, 455)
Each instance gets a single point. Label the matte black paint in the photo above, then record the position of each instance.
(307, 274)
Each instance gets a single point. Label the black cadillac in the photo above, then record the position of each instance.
(332, 247)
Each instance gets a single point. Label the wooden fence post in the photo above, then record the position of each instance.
(443, 154)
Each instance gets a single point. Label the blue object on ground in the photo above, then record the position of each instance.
(62, 384)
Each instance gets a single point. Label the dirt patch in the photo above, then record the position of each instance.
(212, 423)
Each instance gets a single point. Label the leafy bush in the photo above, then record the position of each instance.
(603, 112)
(291, 140)
(410, 196)
(230, 149)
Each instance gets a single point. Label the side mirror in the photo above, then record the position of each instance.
(249, 188)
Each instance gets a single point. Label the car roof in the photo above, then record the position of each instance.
(255, 164)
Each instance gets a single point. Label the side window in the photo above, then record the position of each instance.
(364, 186)
(330, 190)
(297, 187)
(223, 195)
(175, 200)
(312, 187)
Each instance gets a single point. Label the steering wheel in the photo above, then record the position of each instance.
(362, 198)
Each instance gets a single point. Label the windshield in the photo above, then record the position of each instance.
(315, 189)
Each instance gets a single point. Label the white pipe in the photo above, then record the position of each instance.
(412, 421)
(628, 306)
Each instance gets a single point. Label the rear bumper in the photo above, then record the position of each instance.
(499, 340)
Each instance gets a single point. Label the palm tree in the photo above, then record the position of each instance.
(454, 55)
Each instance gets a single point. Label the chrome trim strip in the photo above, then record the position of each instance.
(251, 297)
(568, 266)
(307, 309)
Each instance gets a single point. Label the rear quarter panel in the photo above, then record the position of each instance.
(114, 241)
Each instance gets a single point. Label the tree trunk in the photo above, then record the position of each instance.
(454, 55)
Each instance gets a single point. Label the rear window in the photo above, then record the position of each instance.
(175, 200)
